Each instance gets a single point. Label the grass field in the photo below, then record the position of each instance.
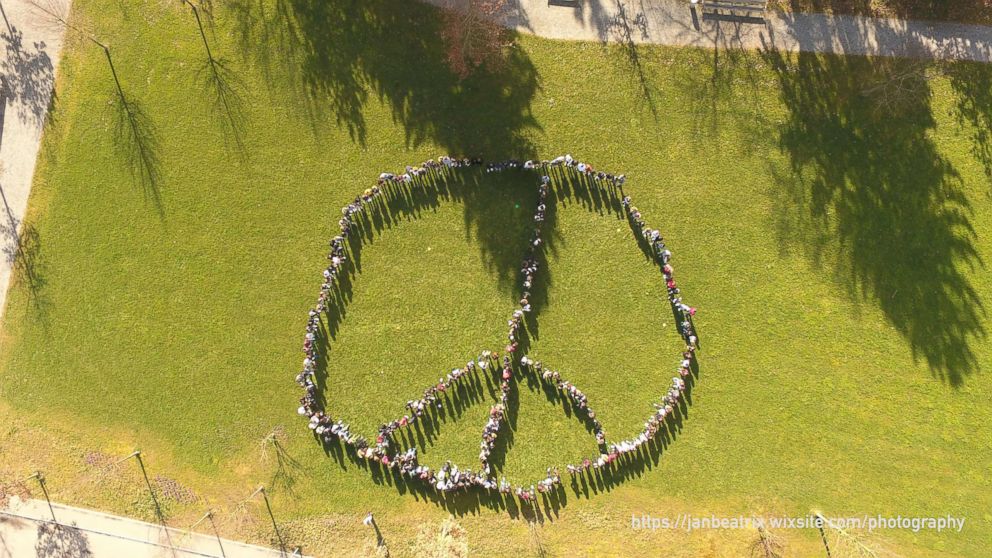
(836, 246)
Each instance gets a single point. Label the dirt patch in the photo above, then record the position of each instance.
(11, 488)
(175, 491)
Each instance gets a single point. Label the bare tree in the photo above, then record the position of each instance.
(766, 545)
(898, 83)
(841, 542)
(446, 541)
(11, 489)
(474, 36)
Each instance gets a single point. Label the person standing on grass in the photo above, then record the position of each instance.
(370, 521)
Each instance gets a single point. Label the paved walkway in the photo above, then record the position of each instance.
(677, 23)
(29, 55)
(26, 530)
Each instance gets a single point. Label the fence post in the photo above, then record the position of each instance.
(268, 507)
(158, 509)
(41, 481)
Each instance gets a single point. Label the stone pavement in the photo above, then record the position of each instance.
(26, 530)
(29, 56)
(679, 23)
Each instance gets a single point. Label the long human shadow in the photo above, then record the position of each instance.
(498, 210)
(871, 199)
(502, 241)
(409, 203)
(340, 55)
(585, 485)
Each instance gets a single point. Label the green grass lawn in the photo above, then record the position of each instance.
(836, 245)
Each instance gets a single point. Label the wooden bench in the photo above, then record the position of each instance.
(735, 7)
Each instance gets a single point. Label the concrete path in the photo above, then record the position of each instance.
(26, 530)
(678, 23)
(29, 56)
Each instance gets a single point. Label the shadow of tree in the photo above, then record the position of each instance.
(137, 141)
(872, 200)
(61, 541)
(341, 54)
(723, 74)
(25, 258)
(972, 82)
(26, 76)
(624, 29)
(286, 469)
(219, 81)
(22, 251)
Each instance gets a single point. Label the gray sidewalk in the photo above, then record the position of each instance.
(29, 56)
(678, 23)
(26, 530)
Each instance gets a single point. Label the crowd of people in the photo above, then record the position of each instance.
(449, 477)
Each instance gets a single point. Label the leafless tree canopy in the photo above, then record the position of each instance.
(474, 35)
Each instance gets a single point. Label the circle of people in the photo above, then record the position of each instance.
(449, 477)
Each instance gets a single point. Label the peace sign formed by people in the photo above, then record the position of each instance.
(506, 364)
